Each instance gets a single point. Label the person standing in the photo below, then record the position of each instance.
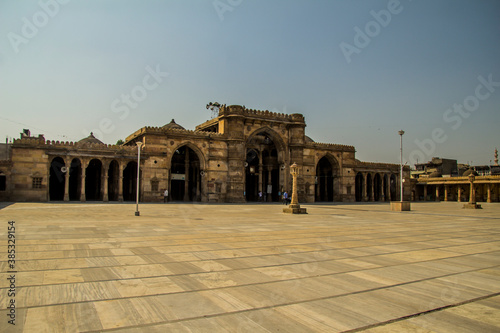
(165, 196)
(285, 198)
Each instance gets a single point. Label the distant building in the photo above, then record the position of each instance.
(437, 166)
(438, 180)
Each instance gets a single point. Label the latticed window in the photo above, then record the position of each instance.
(37, 182)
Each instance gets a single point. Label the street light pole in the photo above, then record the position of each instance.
(401, 132)
(139, 144)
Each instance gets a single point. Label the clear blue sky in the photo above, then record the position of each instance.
(65, 68)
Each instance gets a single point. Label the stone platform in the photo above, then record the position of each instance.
(472, 206)
(250, 268)
(294, 209)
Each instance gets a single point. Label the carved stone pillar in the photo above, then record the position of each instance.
(269, 182)
(425, 192)
(437, 192)
(120, 181)
(105, 174)
(82, 189)
(365, 188)
(472, 197)
(459, 199)
(66, 182)
(446, 193)
(261, 171)
(186, 176)
(372, 190)
(489, 193)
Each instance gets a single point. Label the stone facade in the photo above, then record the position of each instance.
(227, 159)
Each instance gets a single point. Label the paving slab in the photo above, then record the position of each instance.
(95, 267)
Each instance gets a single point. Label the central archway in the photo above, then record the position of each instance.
(185, 180)
(264, 156)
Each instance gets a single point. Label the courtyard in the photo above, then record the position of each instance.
(95, 267)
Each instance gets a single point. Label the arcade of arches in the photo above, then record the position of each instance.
(92, 180)
(374, 187)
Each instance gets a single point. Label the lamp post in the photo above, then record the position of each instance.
(139, 144)
(401, 132)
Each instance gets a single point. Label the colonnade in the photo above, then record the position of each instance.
(76, 174)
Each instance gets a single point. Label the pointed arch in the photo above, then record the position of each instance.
(196, 149)
(75, 179)
(113, 180)
(186, 166)
(359, 183)
(377, 187)
(369, 187)
(265, 154)
(93, 180)
(273, 135)
(57, 179)
(327, 178)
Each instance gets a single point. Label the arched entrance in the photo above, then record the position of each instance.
(252, 175)
(57, 179)
(113, 180)
(327, 188)
(130, 181)
(377, 187)
(359, 187)
(75, 180)
(185, 177)
(393, 187)
(93, 183)
(262, 167)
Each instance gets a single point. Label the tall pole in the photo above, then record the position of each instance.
(139, 144)
(401, 132)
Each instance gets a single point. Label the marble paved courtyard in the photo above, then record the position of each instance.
(88, 267)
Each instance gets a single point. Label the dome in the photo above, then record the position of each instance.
(470, 171)
(435, 174)
(91, 139)
(173, 125)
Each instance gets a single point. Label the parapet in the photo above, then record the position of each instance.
(266, 114)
